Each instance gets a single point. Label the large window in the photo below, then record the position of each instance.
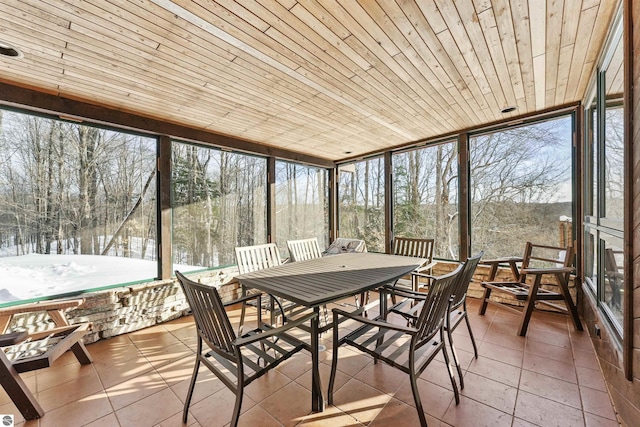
(302, 208)
(521, 187)
(604, 185)
(218, 201)
(72, 199)
(361, 202)
(425, 196)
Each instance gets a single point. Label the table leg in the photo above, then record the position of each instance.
(317, 400)
(383, 303)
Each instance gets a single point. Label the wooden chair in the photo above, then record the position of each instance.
(615, 277)
(300, 250)
(259, 257)
(408, 348)
(24, 351)
(236, 361)
(420, 248)
(538, 261)
(457, 312)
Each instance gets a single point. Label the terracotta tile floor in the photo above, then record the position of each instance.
(549, 378)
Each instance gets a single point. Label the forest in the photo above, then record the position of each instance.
(69, 188)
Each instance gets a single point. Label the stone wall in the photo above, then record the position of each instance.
(130, 308)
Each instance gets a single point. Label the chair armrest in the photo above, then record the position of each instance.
(373, 322)
(243, 299)
(426, 266)
(418, 273)
(501, 260)
(276, 331)
(406, 293)
(547, 270)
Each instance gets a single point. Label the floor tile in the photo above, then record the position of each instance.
(543, 365)
(150, 410)
(215, 410)
(551, 351)
(135, 389)
(398, 413)
(544, 412)
(435, 399)
(492, 393)
(381, 376)
(330, 417)
(498, 371)
(70, 391)
(551, 388)
(80, 412)
(361, 401)
(592, 420)
(470, 413)
(289, 405)
(141, 379)
(591, 378)
(597, 402)
(501, 354)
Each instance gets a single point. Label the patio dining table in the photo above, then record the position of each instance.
(316, 282)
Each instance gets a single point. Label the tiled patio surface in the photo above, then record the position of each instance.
(549, 378)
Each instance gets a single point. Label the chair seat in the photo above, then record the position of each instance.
(260, 357)
(520, 291)
(42, 349)
(392, 346)
(407, 308)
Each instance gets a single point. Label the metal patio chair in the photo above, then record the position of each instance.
(457, 312)
(235, 360)
(408, 348)
(615, 277)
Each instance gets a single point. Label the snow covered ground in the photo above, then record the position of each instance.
(37, 276)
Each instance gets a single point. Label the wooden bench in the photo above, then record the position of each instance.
(24, 351)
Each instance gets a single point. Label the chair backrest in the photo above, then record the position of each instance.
(257, 257)
(436, 306)
(610, 262)
(300, 250)
(420, 248)
(462, 285)
(540, 256)
(211, 319)
(342, 245)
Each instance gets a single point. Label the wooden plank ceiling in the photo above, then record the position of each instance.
(328, 78)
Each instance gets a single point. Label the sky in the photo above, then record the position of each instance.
(38, 276)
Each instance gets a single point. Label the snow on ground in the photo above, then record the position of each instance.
(36, 276)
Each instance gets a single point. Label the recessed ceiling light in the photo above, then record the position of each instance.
(508, 110)
(10, 51)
